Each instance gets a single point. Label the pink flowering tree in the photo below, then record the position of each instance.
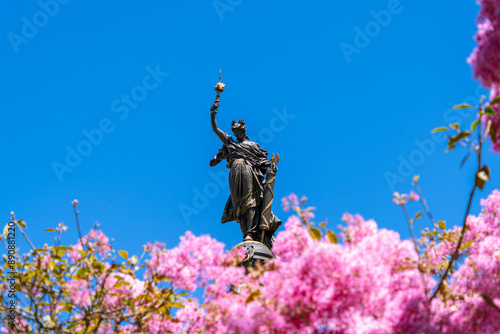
(371, 282)
(82, 288)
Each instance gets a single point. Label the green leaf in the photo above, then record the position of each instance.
(488, 300)
(323, 224)
(482, 176)
(465, 159)
(418, 216)
(332, 236)
(455, 126)
(450, 147)
(488, 126)
(405, 268)
(462, 135)
(98, 265)
(178, 305)
(116, 266)
(30, 275)
(123, 254)
(315, 233)
(68, 307)
(440, 129)
(133, 259)
(309, 209)
(6, 231)
(60, 253)
(454, 139)
(480, 180)
(462, 106)
(253, 296)
(474, 125)
(489, 111)
(119, 284)
(467, 244)
(50, 230)
(493, 132)
(81, 273)
(21, 223)
(442, 225)
(496, 100)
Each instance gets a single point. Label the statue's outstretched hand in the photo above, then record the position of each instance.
(214, 108)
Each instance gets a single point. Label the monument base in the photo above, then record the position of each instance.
(256, 252)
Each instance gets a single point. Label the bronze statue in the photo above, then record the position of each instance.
(251, 180)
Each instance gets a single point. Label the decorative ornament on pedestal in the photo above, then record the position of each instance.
(256, 252)
(251, 186)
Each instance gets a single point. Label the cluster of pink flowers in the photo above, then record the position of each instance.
(368, 284)
(479, 274)
(193, 264)
(405, 198)
(96, 240)
(485, 57)
(289, 202)
(292, 202)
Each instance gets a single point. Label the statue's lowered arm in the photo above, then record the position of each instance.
(221, 155)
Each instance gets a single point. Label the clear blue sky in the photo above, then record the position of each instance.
(342, 108)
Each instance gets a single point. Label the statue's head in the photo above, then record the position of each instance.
(239, 129)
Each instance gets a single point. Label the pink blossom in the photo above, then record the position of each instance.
(294, 199)
(75, 255)
(44, 261)
(414, 196)
(490, 10)
(285, 204)
(131, 289)
(79, 292)
(290, 201)
(95, 240)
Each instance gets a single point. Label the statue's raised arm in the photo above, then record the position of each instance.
(213, 111)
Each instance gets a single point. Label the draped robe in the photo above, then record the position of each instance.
(248, 163)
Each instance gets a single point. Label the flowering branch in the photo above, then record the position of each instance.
(482, 175)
